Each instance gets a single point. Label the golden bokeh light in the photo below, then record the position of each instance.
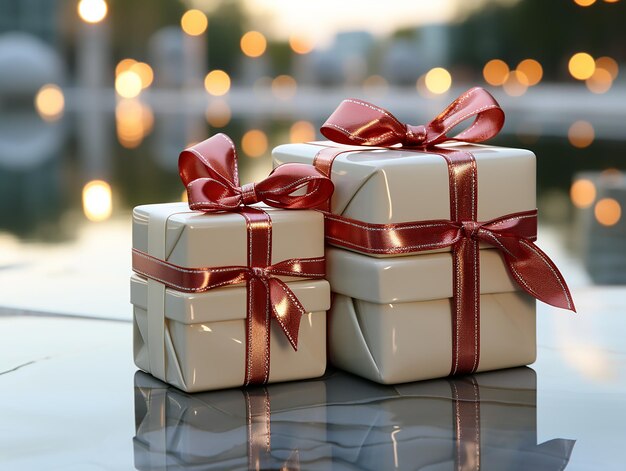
(128, 84)
(609, 64)
(608, 211)
(97, 200)
(134, 120)
(515, 84)
(301, 131)
(217, 82)
(600, 82)
(584, 3)
(300, 44)
(254, 143)
(611, 1)
(284, 87)
(581, 66)
(438, 80)
(145, 73)
(124, 65)
(194, 22)
(253, 44)
(50, 102)
(583, 193)
(531, 72)
(581, 134)
(92, 11)
(218, 113)
(495, 72)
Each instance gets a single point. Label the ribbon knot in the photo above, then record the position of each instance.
(470, 229)
(415, 136)
(259, 272)
(209, 171)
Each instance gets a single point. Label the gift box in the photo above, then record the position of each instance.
(483, 421)
(228, 291)
(432, 254)
(282, 426)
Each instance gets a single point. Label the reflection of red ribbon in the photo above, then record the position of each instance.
(358, 123)
(212, 164)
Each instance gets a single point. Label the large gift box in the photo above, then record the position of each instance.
(227, 292)
(281, 426)
(483, 421)
(433, 262)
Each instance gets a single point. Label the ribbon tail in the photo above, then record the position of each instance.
(535, 272)
(286, 309)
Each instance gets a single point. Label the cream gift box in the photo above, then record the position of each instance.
(482, 421)
(281, 426)
(197, 341)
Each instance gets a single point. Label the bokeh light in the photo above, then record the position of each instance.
(218, 113)
(253, 44)
(254, 143)
(515, 84)
(124, 65)
(581, 134)
(50, 102)
(584, 3)
(438, 80)
(531, 72)
(300, 44)
(609, 64)
(600, 82)
(217, 82)
(145, 73)
(92, 11)
(134, 120)
(583, 193)
(97, 200)
(608, 211)
(194, 22)
(302, 131)
(128, 84)
(581, 66)
(284, 87)
(495, 72)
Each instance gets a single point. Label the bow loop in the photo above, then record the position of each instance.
(356, 122)
(209, 171)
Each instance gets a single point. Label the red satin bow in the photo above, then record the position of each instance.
(209, 171)
(360, 123)
(286, 308)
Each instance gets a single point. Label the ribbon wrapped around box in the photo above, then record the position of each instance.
(216, 283)
(403, 192)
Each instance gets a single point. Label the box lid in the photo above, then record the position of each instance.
(226, 303)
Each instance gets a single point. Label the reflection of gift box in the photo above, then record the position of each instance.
(483, 421)
(197, 340)
(281, 426)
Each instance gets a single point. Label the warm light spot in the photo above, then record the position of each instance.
(217, 82)
(218, 113)
(124, 65)
(600, 82)
(531, 72)
(300, 44)
(611, 1)
(438, 80)
(584, 3)
(284, 87)
(183, 197)
(92, 11)
(301, 131)
(515, 84)
(581, 134)
(612, 174)
(495, 72)
(254, 143)
(194, 22)
(581, 66)
(128, 84)
(583, 193)
(253, 44)
(133, 121)
(375, 85)
(608, 211)
(145, 73)
(609, 64)
(49, 102)
(97, 204)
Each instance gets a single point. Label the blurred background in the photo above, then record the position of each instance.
(98, 97)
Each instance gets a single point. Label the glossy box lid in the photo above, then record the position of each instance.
(391, 186)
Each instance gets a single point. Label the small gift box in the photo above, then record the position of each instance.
(434, 258)
(282, 426)
(227, 293)
(483, 421)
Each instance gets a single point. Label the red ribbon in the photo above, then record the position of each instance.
(209, 170)
(358, 123)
